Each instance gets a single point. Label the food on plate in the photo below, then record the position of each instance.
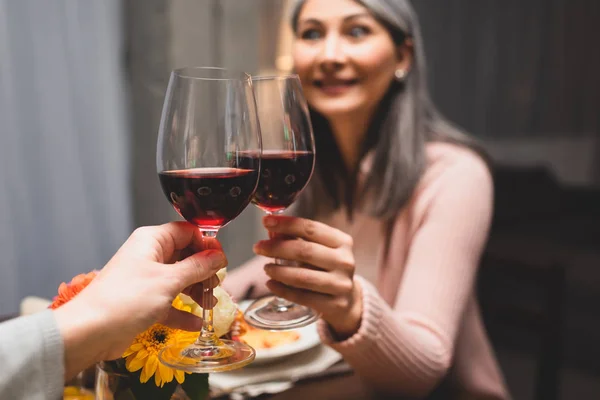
(261, 339)
(258, 338)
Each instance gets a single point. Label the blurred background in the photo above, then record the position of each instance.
(81, 91)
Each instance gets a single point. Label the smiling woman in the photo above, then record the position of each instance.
(391, 227)
(363, 70)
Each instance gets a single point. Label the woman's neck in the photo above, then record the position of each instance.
(349, 132)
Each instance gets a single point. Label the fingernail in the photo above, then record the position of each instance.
(217, 258)
(256, 248)
(270, 222)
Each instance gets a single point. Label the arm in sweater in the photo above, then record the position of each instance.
(250, 274)
(408, 348)
(31, 355)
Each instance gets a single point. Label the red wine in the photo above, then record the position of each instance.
(209, 197)
(283, 175)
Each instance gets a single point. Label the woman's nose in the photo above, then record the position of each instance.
(332, 54)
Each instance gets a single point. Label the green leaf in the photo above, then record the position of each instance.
(125, 395)
(196, 386)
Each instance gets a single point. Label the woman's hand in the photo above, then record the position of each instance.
(324, 281)
(135, 290)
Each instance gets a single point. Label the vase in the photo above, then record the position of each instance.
(113, 385)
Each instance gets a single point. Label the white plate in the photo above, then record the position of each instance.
(309, 338)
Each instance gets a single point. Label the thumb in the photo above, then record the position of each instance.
(200, 266)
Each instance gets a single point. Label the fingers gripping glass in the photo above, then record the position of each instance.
(208, 129)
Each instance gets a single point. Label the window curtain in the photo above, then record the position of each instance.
(64, 169)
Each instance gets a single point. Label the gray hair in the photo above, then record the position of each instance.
(406, 120)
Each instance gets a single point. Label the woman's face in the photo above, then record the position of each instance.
(345, 58)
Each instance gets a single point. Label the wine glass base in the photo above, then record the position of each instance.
(226, 356)
(265, 314)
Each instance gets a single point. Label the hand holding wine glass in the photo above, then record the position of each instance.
(325, 280)
(208, 129)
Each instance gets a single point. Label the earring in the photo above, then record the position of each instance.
(400, 74)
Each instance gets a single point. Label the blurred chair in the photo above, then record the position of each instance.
(522, 279)
(527, 298)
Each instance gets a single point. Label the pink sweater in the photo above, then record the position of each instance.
(420, 315)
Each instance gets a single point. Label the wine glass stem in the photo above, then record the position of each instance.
(207, 335)
(279, 303)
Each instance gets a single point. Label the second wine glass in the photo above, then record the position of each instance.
(288, 160)
(208, 127)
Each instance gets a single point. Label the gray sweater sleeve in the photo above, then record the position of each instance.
(31, 358)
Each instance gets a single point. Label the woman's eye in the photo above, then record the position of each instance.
(358, 31)
(310, 34)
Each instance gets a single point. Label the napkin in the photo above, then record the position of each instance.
(33, 304)
(277, 376)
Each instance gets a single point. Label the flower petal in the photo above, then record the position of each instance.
(137, 346)
(149, 369)
(179, 375)
(134, 363)
(166, 373)
(142, 353)
(134, 348)
(157, 378)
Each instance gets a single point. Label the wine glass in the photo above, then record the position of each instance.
(288, 160)
(208, 123)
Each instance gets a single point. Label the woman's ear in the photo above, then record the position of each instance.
(405, 58)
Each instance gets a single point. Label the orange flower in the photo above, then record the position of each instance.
(66, 291)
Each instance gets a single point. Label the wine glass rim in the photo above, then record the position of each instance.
(188, 73)
(274, 77)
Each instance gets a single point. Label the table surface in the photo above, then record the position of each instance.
(331, 388)
(343, 388)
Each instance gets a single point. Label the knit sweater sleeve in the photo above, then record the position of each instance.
(32, 358)
(407, 347)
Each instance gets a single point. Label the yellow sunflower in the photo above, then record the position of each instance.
(143, 353)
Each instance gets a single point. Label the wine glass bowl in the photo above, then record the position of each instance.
(287, 164)
(284, 174)
(208, 129)
(209, 197)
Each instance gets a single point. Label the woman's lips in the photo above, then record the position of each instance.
(335, 87)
